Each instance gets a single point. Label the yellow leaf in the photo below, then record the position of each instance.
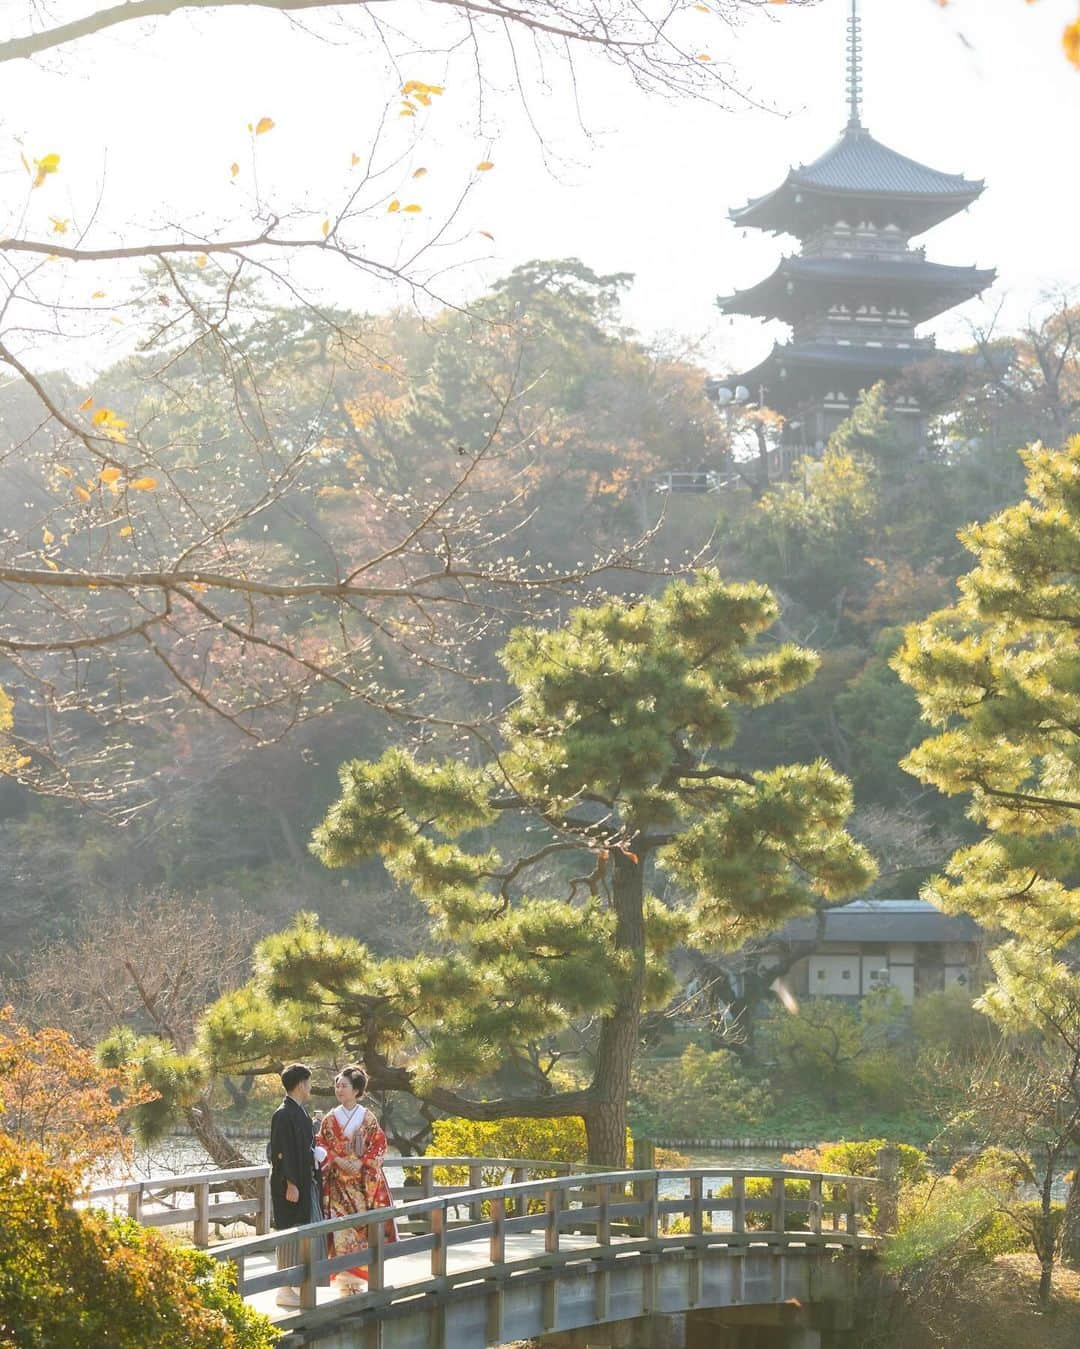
(703, 8)
(198, 586)
(407, 111)
(43, 167)
(86, 403)
(325, 228)
(101, 416)
(412, 208)
(82, 493)
(125, 531)
(484, 165)
(234, 169)
(704, 56)
(98, 295)
(395, 205)
(59, 226)
(263, 125)
(109, 475)
(1070, 40)
(47, 537)
(201, 260)
(419, 173)
(354, 161)
(67, 472)
(50, 564)
(487, 235)
(22, 761)
(115, 318)
(144, 484)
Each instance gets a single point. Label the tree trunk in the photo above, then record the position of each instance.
(1070, 1228)
(222, 1150)
(1046, 1283)
(605, 1116)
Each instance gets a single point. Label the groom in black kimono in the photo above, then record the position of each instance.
(294, 1176)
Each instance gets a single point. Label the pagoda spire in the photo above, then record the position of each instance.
(854, 67)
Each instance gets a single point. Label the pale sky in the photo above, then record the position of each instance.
(158, 114)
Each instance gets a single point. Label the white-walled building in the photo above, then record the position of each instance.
(904, 944)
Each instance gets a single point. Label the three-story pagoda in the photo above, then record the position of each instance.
(856, 291)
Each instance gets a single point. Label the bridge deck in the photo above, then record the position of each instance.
(416, 1269)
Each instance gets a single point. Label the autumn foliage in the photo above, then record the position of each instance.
(54, 1095)
(79, 1279)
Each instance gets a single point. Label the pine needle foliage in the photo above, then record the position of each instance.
(610, 771)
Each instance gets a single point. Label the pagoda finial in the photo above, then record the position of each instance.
(854, 66)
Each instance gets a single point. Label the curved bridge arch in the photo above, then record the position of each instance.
(486, 1265)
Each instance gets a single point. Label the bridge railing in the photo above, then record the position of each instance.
(207, 1200)
(578, 1216)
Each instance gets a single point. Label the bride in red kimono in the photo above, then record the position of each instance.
(352, 1173)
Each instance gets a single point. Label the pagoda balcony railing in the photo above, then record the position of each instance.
(832, 246)
(852, 335)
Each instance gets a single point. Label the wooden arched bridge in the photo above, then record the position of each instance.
(553, 1250)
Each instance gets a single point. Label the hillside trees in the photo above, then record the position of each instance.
(145, 555)
(590, 412)
(134, 978)
(997, 677)
(608, 778)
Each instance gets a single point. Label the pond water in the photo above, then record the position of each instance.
(175, 1155)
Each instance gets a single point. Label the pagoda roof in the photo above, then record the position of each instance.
(858, 358)
(928, 280)
(858, 165)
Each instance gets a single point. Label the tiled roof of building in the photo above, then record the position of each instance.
(859, 163)
(886, 920)
(881, 362)
(860, 166)
(904, 272)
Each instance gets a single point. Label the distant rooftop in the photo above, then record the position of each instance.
(858, 165)
(886, 920)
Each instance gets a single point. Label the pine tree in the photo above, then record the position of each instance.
(607, 775)
(999, 674)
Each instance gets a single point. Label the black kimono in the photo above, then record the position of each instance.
(292, 1140)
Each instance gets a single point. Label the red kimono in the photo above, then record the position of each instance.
(353, 1182)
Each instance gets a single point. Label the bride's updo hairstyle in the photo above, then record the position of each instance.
(356, 1077)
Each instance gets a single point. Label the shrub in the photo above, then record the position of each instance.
(547, 1140)
(702, 1094)
(859, 1158)
(82, 1280)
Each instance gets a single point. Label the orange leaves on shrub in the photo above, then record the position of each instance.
(55, 1094)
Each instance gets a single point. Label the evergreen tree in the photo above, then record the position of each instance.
(608, 770)
(999, 674)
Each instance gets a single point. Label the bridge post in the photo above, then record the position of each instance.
(201, 1234)
(551, 1229)
(476, 1182)
(815, 1205)
(438, 1251)
(376, 1252)
(307, 1286)
(779, 1197)
(888, 1168)
(518, 1176)
(135, 1204)
(851, 1215)
(497, 1245)
(263, 1212)
(697, 1223)
(738, 1203)
(603, 1222)
(650, 1193)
